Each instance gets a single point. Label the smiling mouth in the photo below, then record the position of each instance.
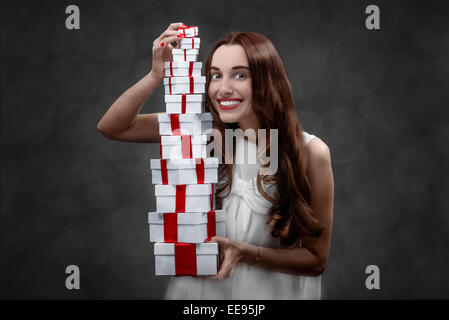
(227, 104)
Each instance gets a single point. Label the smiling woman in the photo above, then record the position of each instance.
(278, 226)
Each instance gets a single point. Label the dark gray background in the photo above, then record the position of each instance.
(377, 98)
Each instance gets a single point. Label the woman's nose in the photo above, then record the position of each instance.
(225, 87)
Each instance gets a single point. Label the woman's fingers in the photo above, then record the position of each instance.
(225, 270)
(176, 26)
(169, 40)
(171, 30)
(165, 35)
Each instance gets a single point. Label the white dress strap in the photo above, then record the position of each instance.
(308, 136)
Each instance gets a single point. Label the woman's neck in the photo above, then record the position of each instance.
(252, 124)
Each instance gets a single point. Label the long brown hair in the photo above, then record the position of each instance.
(291, 215)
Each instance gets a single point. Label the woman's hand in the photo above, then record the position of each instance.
(162, 49)
(232, 253)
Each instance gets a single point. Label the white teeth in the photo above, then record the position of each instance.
(229, 103)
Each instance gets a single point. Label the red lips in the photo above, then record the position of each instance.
(231, 106)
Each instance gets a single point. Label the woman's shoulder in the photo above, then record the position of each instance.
(317, 150)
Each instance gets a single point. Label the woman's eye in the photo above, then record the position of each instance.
(240, 75)
(215, 76)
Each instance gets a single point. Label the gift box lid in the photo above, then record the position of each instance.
(164, 248)
(187, 117)
(174, 164)
(182, 64)
(191, 189)
(188, 41)
(186, 217)
(188, 31)
(176, 80)
(173, 140)
(189, 98)
(187, 51)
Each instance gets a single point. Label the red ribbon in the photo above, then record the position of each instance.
(192, 85)
(175, 128)
(185, 55)
(211, 225)
(160, 145)
(180, 198)
(171, 68)
(184, 30)
(192, 44)
(186, 146)
(183, 104)
(185, 259)
(199, 171)
(171, 227)
(190, 67)
(212, 198)
(169, 83)
(164, 171)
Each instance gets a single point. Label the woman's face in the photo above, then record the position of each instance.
(230, 88)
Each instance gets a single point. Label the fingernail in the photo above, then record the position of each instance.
(162, 44)
(184, 25)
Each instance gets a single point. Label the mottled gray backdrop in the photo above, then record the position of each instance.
(378, 98)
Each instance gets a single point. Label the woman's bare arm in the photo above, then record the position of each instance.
(122, 121)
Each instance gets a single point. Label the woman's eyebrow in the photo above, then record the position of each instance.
(240, 67)
(233, 68)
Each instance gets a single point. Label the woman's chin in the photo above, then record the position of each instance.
(228, 118)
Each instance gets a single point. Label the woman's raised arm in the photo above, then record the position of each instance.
(122, 121)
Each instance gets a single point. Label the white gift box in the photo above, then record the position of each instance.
(188, 32)
(180, 85)
(182, 68)
(186, 259)
(185, 103)
(184, 198)
(189, 43)
(183, 147)
(184, 171)
(192, 124)
(185, 54)
(190, 227)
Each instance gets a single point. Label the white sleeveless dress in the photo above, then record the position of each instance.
(246, 215)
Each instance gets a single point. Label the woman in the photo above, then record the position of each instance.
(278, 226)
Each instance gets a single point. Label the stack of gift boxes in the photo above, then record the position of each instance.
(184, 177)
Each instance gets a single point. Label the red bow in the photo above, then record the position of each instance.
(184, 30)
